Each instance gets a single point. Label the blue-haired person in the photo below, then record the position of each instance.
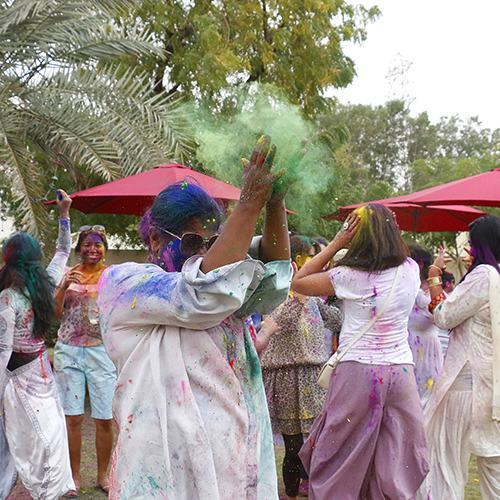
(190, 402)
(33, 439)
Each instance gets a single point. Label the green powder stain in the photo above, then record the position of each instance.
(153, 483)
(304, 168)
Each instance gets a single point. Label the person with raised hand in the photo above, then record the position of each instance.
(190, 402)
(80, 359)
(462, 415)
(33, 439)
(368, 441)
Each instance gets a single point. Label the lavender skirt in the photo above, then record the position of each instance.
(368, 443)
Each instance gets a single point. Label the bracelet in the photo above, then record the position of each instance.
(434, 281)
(435, 301)
(437, 267)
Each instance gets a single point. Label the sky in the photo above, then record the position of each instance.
(450, 48)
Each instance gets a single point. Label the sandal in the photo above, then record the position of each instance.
(104, 488)
(72, 493)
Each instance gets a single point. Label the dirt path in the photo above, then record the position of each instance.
(89, 466)
(89, 470)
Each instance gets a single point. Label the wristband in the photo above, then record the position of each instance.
(434, 281)
(437, 267)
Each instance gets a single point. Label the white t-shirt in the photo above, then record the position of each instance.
(362, 294)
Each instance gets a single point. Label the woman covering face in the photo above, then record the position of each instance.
(463, 413)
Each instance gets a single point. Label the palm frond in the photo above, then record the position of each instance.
(69, 127)
(20, 169)
(20, 12)
(58, 105)
(147, 128)
(54, 34)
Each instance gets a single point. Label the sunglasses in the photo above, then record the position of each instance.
(192, 243)
(98, 228)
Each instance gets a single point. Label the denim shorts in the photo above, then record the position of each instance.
(75, 367)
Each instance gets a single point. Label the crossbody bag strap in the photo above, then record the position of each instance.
(371, 322)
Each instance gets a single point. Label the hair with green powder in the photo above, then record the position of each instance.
(23, 270)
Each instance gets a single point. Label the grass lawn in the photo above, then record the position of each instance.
(89, 470)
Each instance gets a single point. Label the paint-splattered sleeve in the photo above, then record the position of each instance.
(63, 249)
(465, 301)
(7, 325)
(142, 294)
(272, 290)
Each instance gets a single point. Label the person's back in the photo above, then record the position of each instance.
(362, 294)
(369, 441)
(33, 438)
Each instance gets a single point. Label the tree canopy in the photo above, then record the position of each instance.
(211, 46)
(66, 108)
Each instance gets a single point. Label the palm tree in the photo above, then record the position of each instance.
(65, 101)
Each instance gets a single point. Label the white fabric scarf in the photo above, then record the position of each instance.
(495, 332)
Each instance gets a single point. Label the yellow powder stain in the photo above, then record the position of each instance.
(133, 302)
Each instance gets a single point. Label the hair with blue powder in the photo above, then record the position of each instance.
(173, 210)
(23, 270)
(181, 203)
(485, 241)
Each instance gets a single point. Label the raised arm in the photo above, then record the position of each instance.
(275, 243)
(63, 248)
(234, 242)
(311, 279)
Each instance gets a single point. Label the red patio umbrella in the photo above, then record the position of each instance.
(482, 190)
(135, 194)
(420, 219)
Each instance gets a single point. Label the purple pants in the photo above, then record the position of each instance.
(368, 443)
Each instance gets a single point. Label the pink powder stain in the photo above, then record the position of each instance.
(44, 373)
(183, 390)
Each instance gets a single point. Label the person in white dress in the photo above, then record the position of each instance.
(190, 403)
(423, 333)
(463, 413)
(33, 439)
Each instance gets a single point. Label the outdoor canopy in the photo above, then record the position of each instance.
(135, 194)
(419, 219)
(482, 190)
